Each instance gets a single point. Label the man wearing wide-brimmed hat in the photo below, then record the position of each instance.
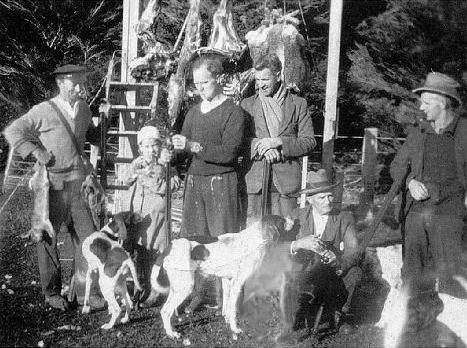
(432, 163)
(338, 272)
(42, 133)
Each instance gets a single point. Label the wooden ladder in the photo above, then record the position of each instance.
(130, 120)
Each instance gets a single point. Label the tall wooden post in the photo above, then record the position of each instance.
(332, 82)
(131, 14)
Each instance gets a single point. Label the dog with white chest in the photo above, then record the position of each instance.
(233, 257)
(104, 254)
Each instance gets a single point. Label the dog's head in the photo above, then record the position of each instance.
(275, 227)
(121, 223)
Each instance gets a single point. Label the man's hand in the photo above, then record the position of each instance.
(179, 142)
(42, 156)
(418, 190)
(104, 108)
(265, 144)
(272, 156)
(310, 242)
(165, 157)
(329, 258)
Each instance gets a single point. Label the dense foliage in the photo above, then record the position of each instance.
(387, 48)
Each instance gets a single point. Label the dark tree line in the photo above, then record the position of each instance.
(388, 46)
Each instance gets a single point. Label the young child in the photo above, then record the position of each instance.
(147, 176)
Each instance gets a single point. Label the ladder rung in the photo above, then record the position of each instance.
(130, 86)
(131, 107)
(122, 133)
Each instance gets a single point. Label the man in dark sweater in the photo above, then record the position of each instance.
(432, 163)
(212, 135)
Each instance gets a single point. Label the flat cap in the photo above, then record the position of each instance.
(70, 69)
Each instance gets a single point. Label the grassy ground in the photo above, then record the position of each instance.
(26, 321)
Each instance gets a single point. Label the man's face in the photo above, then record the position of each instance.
(321, 202)
(150, 149)
(267, 82)
(432, 105)
(205, 83)
(72, 87)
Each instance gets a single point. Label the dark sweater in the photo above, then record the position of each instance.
(220, 133)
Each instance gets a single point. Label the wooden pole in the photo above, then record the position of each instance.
(127, 147)
(332, 81)
(369, 153)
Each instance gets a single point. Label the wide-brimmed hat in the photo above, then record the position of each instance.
(442, 84)
(148, 132)
(69, 69)
(317, 182)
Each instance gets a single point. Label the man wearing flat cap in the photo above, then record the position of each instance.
(331, 271)
(432, 165)
(42, 133)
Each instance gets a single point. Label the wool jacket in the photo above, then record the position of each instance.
(296, 133)
(41, 127)
(408, 163)
(340, 228)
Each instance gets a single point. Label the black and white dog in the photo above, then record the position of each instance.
(104, 253)
(233, 258)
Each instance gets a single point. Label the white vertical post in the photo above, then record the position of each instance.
(131, 14)
(332, 82)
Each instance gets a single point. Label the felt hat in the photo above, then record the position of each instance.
(69, 69)
(147, 132)
(442, 84)
(317, 182)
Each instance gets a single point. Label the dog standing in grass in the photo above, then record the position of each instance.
(104, 254)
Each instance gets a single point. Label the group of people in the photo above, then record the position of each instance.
(229, 149)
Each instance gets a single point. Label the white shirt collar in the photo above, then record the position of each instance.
(320, 222)
(66, 107)
(207, 105)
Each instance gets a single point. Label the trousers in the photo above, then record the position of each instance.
(65, 205)
(210, 206)
(433, 246)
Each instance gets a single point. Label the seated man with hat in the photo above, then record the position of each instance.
(46, 132)
(331, 274)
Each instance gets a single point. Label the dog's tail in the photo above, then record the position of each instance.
(131, 266)
(159, 280)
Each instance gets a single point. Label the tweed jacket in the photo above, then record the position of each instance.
(408, 163)
(340, 228)
(296, 133)
(41, 127)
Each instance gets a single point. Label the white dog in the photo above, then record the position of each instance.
(233, 258)
(394, 314)
(104, 254)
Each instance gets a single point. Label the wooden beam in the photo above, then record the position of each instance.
(332, 83)
(127, 147)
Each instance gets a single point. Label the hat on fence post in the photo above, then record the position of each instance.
(441, 84)
(317, 182)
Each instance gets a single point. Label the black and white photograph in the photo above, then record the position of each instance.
(233, 173)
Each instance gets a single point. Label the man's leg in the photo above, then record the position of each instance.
(415, 255)
(194, 220)
(445, 245)
(47, 252)
(351, 279)
(254, 206)
(220, 194)
(287, 205)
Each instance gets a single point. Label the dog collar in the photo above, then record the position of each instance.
(109, 232)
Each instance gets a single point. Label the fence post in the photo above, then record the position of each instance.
(369, 161)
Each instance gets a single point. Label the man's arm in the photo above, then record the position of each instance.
(304, 141)
(22, 134)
